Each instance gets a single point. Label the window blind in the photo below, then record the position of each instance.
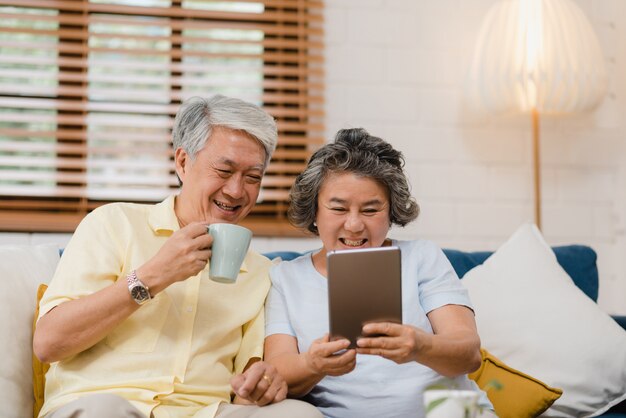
(89, 90)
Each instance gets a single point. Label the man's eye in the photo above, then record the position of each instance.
(337, 209)
(224, 172)
(254, 179)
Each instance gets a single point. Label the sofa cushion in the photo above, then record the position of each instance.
(531, 315)
(513, 394)
(579, 261)
(39, 369)
(21, 270)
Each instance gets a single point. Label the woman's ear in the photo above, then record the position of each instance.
(181, 161)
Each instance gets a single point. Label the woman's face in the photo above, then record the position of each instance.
(353, 212)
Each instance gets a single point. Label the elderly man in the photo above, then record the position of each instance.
(130, 326)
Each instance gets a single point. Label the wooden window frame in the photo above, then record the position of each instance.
(292, 91)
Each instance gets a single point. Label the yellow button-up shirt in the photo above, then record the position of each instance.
(175, 355)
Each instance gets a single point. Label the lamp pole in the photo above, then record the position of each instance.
(536, 166)
(537, 56)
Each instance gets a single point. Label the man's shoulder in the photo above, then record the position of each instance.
(121, 207)
(114, 217)
(119, 210)
(256, 260)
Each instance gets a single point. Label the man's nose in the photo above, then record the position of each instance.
(234, 187)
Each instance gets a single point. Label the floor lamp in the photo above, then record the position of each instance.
(538, 57)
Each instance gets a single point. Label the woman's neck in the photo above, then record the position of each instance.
(319, 258)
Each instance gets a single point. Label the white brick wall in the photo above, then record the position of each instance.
(396, 67)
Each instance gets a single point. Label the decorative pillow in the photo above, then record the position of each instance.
(531, 315)
(22, 268)
(518, 395)
(39, 369)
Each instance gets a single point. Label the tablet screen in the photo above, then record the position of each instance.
(364, 286)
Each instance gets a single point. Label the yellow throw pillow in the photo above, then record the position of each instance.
(39, 368)
(517, 394)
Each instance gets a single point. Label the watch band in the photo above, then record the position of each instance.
(138, 291)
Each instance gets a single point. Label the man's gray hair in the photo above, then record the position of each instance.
(197, 117)
(353, 151)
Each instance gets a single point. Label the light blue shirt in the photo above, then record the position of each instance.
(297, 305)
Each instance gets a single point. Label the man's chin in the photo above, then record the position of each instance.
(228, 218)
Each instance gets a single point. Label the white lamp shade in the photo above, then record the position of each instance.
(536, 54)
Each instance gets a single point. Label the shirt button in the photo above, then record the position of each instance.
(189, 308)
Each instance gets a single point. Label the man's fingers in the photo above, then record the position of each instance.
(261, 385)
(265, 392)
(236, 382)
(247, 383)
(275, 393)
(267, 389)
(204, 255)
(257, 393)
(194, 229)
(281, 395)
(203, 241)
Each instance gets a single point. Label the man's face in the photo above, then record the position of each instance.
(223, 182)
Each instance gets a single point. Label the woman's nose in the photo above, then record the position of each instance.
(353, 223)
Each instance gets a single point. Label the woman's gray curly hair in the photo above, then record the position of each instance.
(353, 151)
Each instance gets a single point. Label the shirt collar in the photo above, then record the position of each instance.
(162, 218)
(163, 221)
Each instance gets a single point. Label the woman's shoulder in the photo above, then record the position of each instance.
(299, 263)
(419, 245)
(290, 269)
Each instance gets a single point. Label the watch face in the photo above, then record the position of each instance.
(139, 293)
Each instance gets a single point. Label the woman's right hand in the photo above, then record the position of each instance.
(323, 357)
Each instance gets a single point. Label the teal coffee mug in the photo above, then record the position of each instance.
(230, 246)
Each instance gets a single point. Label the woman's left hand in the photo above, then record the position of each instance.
(397, 342)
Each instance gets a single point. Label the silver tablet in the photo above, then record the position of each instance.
(364, 286)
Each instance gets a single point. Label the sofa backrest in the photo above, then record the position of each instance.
(579, 261)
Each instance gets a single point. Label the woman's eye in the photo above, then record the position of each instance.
(370, 212)
(338, 209)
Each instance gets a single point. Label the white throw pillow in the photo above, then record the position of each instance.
(532, 316)
(22, 269)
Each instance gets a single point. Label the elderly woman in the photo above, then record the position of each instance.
(350, 194)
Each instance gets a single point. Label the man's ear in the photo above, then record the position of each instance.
(181, 161)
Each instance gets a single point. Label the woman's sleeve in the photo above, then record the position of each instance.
(276, 306)
(438, 283)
